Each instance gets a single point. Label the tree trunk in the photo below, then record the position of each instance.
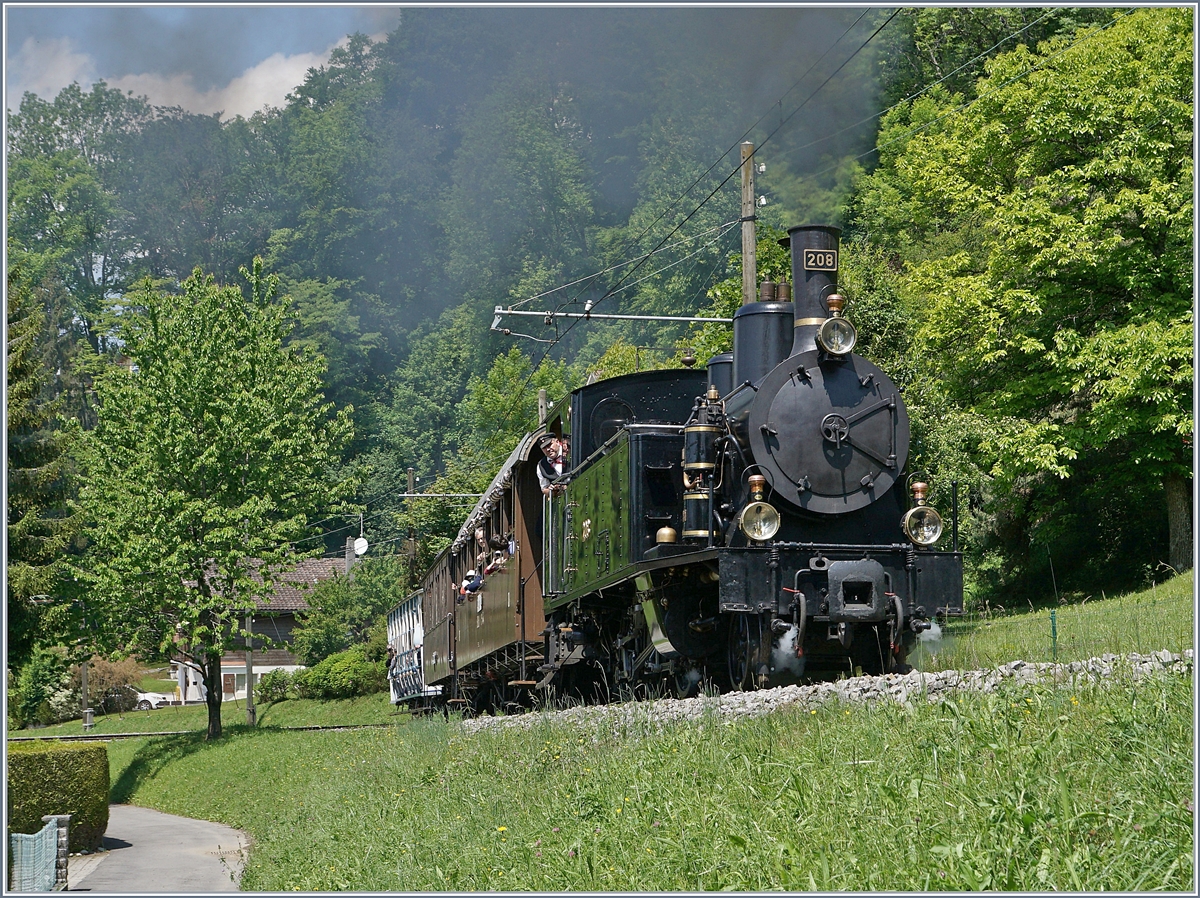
(212, 683)
(1179, 521)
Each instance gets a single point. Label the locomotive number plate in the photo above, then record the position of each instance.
(820, 260)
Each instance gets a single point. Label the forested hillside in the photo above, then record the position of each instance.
(1014, 187)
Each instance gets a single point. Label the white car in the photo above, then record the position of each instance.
(148, 700)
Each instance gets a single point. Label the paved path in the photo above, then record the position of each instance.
(149, 851)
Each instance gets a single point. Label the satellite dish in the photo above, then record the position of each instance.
(360, 545)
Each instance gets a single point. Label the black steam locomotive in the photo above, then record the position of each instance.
(747, 528)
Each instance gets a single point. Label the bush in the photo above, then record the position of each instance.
(42, 678)
(273, 686)
(343, 675)
(59, 778)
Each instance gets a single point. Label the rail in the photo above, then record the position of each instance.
(109, 737)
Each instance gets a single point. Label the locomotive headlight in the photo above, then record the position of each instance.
(837, 336)
(759, 521)
(922, 525)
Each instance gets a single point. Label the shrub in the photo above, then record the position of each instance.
(42, 677)
(273, 686)
(59, 778)
(66, 704)
(104, 675)
(343, 675)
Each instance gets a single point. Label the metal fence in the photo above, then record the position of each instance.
(39, 860)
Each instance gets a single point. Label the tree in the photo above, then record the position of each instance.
(345, 611)
(933, 43)
(40, 526)
(1047, 231)
(208, 455)
(67, 161)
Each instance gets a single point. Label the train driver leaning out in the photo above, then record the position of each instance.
(554, 463)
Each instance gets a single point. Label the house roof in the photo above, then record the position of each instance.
(294, 585)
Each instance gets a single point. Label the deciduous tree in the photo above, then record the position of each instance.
(209, 452)
(1047, 229)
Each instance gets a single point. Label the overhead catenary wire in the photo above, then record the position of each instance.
(925, 89)
(723, 230)
(560, 335)
(967, 103)
(734, 171)
(615, 267)
(736, 144)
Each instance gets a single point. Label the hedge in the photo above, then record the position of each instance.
(47, 777)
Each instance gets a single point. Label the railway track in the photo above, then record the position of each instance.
(109, 737)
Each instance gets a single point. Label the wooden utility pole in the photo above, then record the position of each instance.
(251, 711)
(412, 536)
(749, 240)
(543, 405)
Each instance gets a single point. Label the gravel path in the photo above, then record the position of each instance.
(893, 687)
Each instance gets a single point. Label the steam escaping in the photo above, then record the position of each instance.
(933, 634)
(783, 655)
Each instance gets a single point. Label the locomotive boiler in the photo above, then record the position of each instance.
(747, 526)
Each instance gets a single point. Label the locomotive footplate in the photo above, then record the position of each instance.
(840, 583)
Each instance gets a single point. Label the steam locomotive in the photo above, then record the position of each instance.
(744, 526)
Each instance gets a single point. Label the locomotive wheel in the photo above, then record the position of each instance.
(742, 652)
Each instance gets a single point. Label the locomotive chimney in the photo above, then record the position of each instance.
(814, 279)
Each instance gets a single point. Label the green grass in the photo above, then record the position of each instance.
(1030, 788)
(1162, 617)
(369, 709)
(152, 684)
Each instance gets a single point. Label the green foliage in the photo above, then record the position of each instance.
(273, 686)
(521, 194)
(1045, 233)
(203, 466)
(343, 675)
(39, 524)
(925, 45)
(343, 610)
(66, 161)
(59, 778)
(43, 676)
(502, 406)
(194, 194)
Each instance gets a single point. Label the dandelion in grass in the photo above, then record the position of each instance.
(501, 829)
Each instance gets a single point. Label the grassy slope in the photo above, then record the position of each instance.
(1034, 788)
(1030, 788)
(1161, 617)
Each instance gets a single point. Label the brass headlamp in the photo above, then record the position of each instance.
(921, 523)
(759, 520)
(837, 335)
